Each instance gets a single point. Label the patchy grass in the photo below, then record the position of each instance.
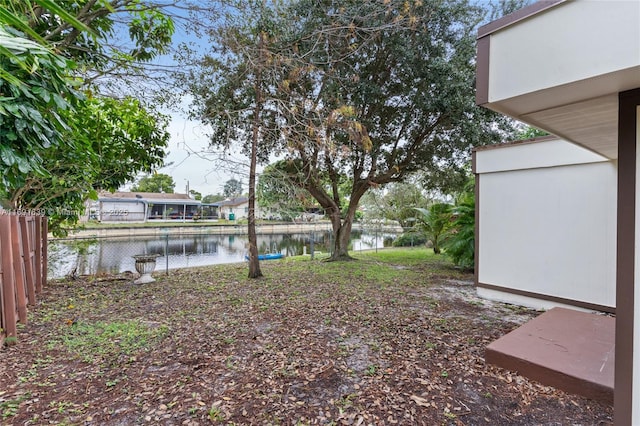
(396, 336)
(99, 341)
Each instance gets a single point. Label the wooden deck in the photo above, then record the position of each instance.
(563, 348)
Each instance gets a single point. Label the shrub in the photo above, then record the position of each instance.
(460, 245)
(410, 238)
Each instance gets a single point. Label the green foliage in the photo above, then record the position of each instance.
(60, 142)
(278, 195)
(10, 408)
(328, 109)
(529, 132)
(215, 414)
(151, 31)
(212, 198)
(120, 139)
(156, 182)
(460, 246)
(395, 202)
(86, 31)
(35, 92)
(232, 188)
(355, 97)
(434, 223)
(410, 238)
(100, 341)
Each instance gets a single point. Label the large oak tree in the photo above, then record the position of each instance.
(360, 94)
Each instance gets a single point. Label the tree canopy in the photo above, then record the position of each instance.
(232, 188)
(279, 196)
(240, 71)
(356, 96)
(35, 89)
(112, 41)
(212, 198)
(156, 182)
(63, 137)
(396, 201)
(120, 140)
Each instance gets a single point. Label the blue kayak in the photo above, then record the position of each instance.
(267, 256)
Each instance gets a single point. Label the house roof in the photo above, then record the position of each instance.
(146, 196)
(232, 202)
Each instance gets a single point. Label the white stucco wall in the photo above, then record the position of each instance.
(111, 211)
(240, 211)
(534, 155)
(549, 230)
(573, 41)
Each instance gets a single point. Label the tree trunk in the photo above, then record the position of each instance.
(254, 262)
(342, 227)
(341, 237)
(436, 246)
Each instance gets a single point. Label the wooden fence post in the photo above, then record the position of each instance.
(27, 250)
(8, 289)
(3, 316)
(17, 247)
(39, 241)
(23, 269)
(45, 249)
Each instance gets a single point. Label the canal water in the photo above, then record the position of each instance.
(91, 256)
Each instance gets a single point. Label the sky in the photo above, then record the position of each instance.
(190, 161)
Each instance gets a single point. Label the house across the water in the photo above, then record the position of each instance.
(234, 208)
(146, 206)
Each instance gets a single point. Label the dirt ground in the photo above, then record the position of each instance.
(377, 341)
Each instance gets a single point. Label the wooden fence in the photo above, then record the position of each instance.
(23, 269)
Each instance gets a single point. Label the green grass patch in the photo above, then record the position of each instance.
(404, 256)
(102, 340)
(10, 407)
(370, 268)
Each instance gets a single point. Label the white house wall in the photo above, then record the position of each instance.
(548, 231)
(111, 211)
(540, 53)
(240, 211)
(534, 155)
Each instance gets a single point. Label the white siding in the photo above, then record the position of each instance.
(549, 231)
(532, 156)
(240, 211)
(573, 41)
(112, 211)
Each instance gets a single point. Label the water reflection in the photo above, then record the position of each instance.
(113, 255)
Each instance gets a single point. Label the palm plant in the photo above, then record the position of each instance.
(434, 223)
(460, 245)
